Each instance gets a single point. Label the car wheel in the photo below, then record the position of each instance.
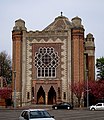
(93, 109)
(55, 108)
(68, 108)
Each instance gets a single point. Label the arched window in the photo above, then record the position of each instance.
(46, 62)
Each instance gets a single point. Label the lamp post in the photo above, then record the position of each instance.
(14, 89)
(87, 88)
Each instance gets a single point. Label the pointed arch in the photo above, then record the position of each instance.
(51, 95)
(41, 96)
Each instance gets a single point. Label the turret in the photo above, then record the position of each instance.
(77, 50)
(17, 38)
(89, 43)
(76, 21)
(90, 51)
(19, 25)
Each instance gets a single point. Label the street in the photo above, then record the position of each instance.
(76, 114)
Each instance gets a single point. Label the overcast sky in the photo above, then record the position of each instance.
(38, 14)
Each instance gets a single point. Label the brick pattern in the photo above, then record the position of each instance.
(91, 68)
(77, 55)
(16, 65)
(17, 48)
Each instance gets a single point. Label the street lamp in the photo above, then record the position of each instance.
(14, 89)
(87, 88)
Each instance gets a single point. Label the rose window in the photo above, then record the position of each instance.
(46, 62)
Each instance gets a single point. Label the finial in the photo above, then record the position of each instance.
(61, 13)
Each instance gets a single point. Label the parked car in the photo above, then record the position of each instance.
(98, 106)
(63, 105)
(35, 114)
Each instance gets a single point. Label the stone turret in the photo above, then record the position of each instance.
(19, 25)
(76, 21)
(89, 42)
(90, 51)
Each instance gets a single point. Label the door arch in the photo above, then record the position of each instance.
(51, 96)
(41, 96)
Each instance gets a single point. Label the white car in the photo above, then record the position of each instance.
(98, 106)
(35, 114)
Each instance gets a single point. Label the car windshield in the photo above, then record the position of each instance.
(63, 104)
(39, 114)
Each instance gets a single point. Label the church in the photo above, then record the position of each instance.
(46, 63)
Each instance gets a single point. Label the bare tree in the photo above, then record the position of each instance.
(5, 67)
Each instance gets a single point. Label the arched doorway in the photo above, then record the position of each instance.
(40, 96)
(51, 96)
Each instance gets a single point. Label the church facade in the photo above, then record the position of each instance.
(48, 62)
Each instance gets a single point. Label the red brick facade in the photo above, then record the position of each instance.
(78, 54)
(17, 63)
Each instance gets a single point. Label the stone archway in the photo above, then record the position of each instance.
(51, 96)
(41, 96)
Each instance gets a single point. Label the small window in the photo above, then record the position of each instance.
(59, 97)
(28, 95)
(64, 95)
(32, 91)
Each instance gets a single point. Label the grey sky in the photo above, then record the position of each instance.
(38, 14)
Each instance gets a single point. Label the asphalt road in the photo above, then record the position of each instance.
(75, 114)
